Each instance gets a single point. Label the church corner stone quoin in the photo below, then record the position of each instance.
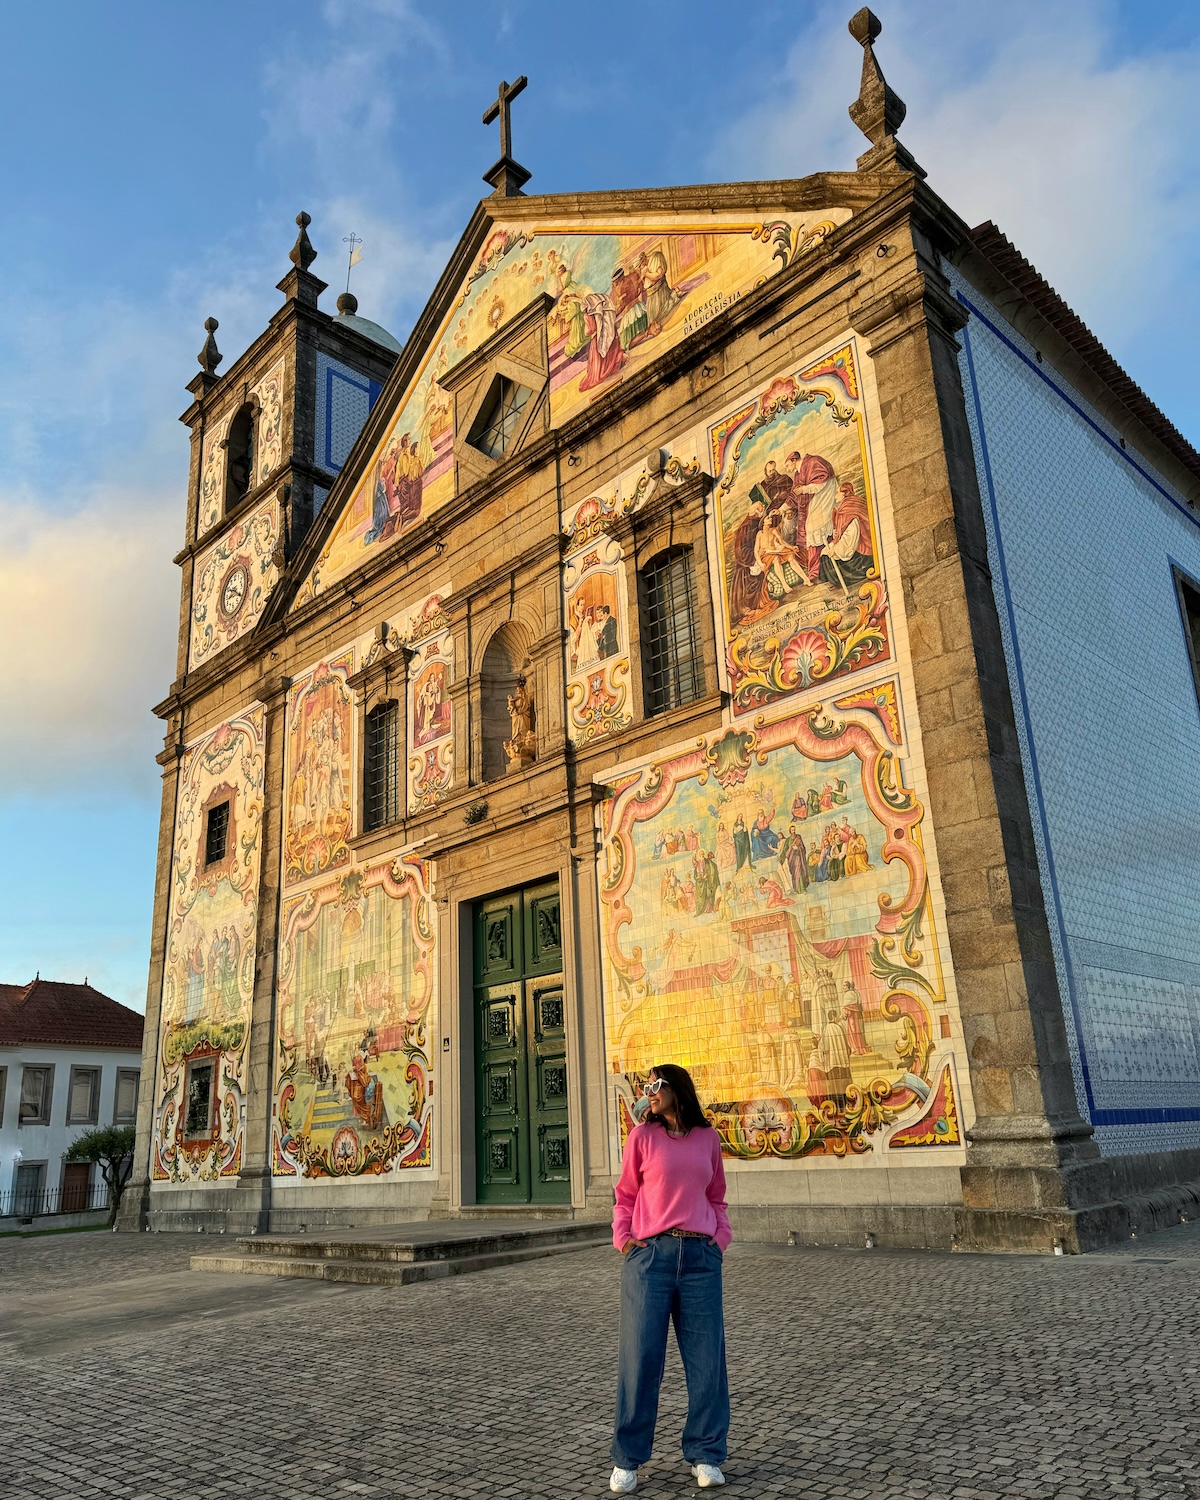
(675, 652)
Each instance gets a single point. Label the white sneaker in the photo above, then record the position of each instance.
(708, 1476)
(624, 1481)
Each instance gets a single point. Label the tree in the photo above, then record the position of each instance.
(111, 1147)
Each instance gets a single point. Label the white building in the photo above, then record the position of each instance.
(69, 1061)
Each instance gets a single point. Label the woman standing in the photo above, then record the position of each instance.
(672, 1226)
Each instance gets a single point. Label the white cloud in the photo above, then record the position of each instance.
(89, 597)
(88, 611)
(1027, 114)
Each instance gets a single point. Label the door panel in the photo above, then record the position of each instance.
(501, 1103)
(548, 1090)
(523, 1140)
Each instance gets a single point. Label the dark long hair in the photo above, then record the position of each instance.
(687, 1106)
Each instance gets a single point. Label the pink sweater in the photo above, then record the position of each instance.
(669, 1183)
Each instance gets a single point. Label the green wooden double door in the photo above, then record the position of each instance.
(523, 1144)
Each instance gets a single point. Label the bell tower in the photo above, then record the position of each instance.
(269, 436)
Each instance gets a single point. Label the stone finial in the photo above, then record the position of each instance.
(347, 304)
(210, 356)
(302, 253)
(878, 111)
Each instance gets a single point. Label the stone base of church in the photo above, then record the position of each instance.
(1078, 1207)
(1024, 1208)
(918, 1226)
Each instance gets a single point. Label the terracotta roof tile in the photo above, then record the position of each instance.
(1038, 292)
(66, 1014)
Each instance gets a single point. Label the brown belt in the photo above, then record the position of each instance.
(687, 1234)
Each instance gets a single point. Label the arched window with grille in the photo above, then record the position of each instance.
(239, 467)
(381, 766)
(672, 665)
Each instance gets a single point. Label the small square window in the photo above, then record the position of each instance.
(125, 1106)
(198, 1100)
(499, 417)
(37, 1087)
(83, 1100)
(216, 833)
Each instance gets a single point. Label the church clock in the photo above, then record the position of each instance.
(234, 590)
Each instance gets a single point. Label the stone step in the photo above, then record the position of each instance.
(419, 1243)
(380, 1272)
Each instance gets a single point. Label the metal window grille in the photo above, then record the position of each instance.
(197, 1107)
(497, 423)
(674, 670)
(216, 834)
(381, 771)
(31, 1199)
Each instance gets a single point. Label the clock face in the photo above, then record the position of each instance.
(233, 592)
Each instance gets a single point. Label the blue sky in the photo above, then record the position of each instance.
(156, 158)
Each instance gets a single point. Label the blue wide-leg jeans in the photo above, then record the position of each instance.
(671, 1280)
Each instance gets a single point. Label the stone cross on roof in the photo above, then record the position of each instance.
(507, 177)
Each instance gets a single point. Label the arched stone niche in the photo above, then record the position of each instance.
(506, 666)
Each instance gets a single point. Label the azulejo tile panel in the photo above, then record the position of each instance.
(767, 922)
(319, 774)
(430, 709)
(208, 977)
(354, 1086)
(233, 580)
(622, 292)
(1108, 723)
(802, 592)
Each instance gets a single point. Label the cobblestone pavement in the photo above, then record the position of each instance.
(856, 1374)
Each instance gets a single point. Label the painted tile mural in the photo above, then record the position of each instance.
(767, 923)
(803, 592)
(599, 695)
(354, 1074)
(623, 294)
(232, 582)
(319, 772)
(208, 981)
(268, 426)
(430, 711)
(212, 475)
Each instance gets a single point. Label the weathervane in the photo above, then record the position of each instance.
(507, 177)
(355, 244)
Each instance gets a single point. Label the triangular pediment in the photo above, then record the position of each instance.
(623, 278)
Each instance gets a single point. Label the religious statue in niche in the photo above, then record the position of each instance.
(521, 749)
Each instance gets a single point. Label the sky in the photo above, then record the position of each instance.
(155, 159)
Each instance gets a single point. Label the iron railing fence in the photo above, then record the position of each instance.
(36, 1203)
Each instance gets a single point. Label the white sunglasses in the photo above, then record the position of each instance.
(656, 1086)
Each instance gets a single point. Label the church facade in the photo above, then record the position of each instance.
(678, 652)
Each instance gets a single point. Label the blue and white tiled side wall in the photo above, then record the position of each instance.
(344, 401)
(1082, 536)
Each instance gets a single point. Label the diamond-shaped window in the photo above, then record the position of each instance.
(499, 417)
